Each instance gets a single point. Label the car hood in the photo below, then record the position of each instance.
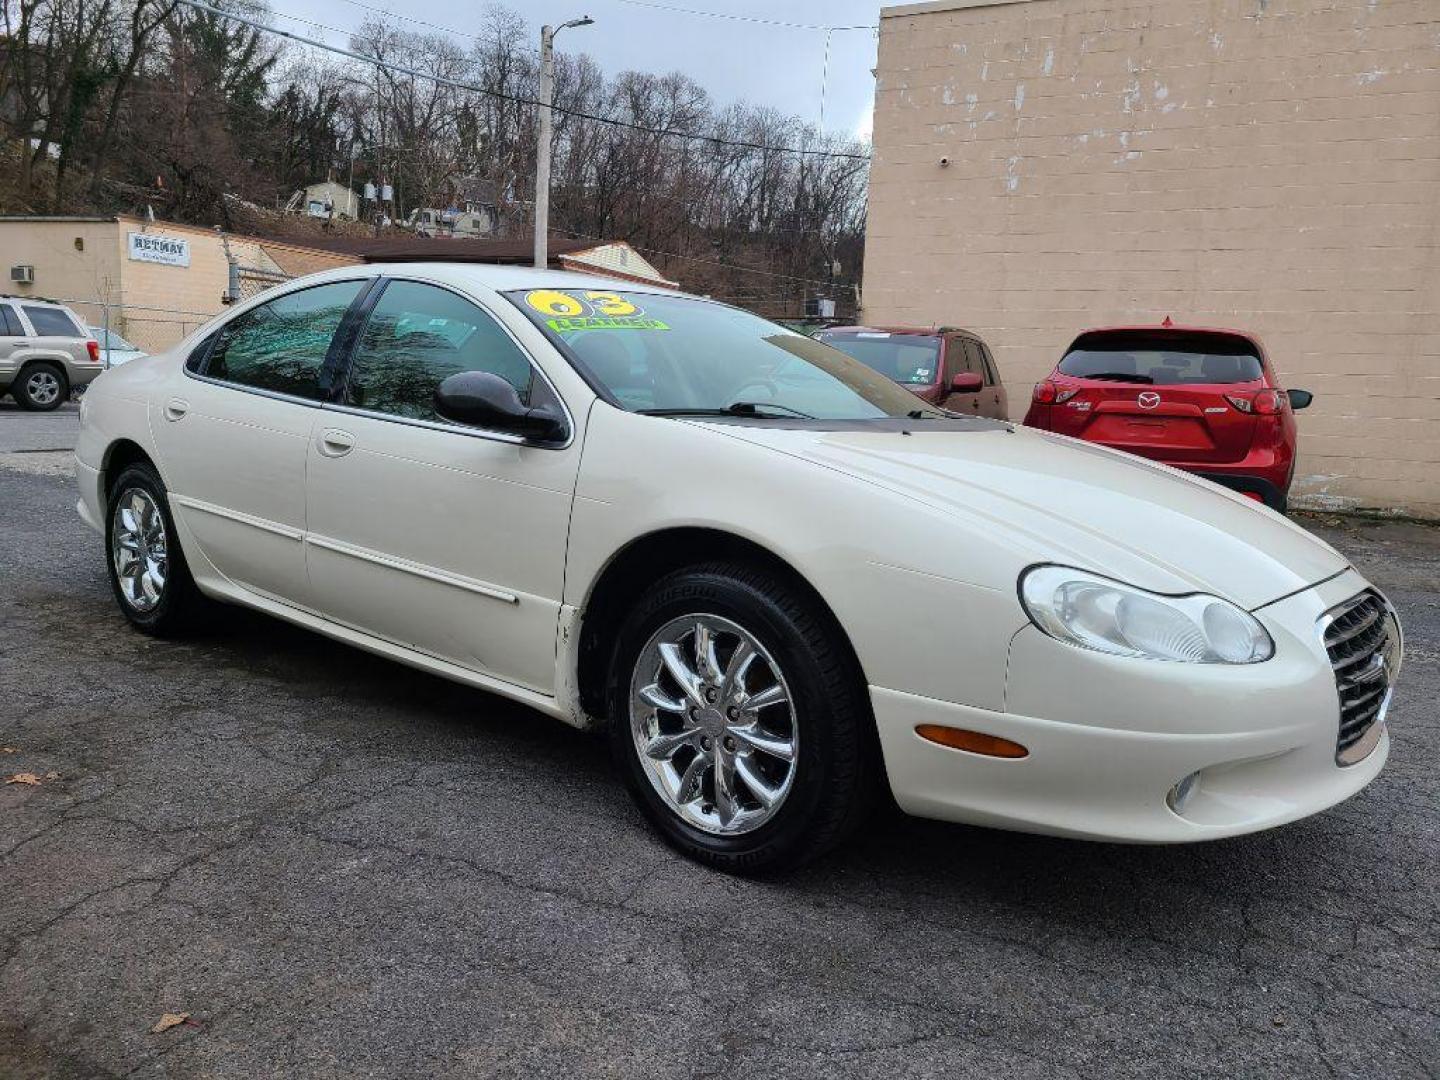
(1062, 500)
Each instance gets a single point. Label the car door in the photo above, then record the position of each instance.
(233, 435)
(961, 358)
(12, 339)
(443, 538)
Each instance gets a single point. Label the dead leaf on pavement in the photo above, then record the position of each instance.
(52, 776)
(169, 1020)
(24, 778)
(9, 749)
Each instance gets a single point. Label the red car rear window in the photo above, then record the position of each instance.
(1164, 359)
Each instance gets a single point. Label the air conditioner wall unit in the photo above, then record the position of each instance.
(24, 275)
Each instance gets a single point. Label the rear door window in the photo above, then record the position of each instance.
(1163, 359)
(973, 362)
(282, 346)
(51, 322)
(10, 323)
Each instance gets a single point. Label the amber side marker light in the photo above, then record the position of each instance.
(974, 741)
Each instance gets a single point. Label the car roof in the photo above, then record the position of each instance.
(42, 300)
(926, 330)
(502, 278)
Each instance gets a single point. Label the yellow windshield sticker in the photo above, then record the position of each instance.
(590, 309)
(602, 322)
(554, 302)
(609, 303)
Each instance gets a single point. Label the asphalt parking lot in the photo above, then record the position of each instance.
(338, 867)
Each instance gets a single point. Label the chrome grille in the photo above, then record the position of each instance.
(1362, 639)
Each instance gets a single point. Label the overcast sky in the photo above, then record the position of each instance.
(733, 59)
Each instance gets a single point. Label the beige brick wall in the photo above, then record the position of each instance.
(1266, 164)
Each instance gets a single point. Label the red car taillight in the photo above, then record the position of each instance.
(1264, 403)
(1047, 393)
(93, 348)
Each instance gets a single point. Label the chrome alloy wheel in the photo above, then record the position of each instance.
(42, 387)
(138, 549)
(714, 724)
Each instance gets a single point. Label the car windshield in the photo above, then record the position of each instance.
(1163, 360)
(909, 359)
(110, 340)
(657, 352)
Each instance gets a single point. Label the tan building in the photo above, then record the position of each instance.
(157, 280)
(1045, 165)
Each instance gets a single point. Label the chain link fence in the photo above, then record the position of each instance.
(148, 329)
(248, 281)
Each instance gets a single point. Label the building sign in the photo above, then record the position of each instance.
(145, 247)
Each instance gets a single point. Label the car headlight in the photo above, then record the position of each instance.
(1093, 612)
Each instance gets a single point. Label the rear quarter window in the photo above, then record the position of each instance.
(51, 322)
(1163, 359)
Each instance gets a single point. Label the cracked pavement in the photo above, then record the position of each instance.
(340, 867)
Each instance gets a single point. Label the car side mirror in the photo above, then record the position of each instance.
(1300, 399)
(966, 382)
(484, 399)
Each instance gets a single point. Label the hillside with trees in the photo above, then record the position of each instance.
(120, 105)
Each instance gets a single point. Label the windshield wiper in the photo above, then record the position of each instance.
(1119, 376)
(737, 408)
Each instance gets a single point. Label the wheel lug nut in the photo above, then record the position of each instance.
(729, 743)
(711, 695)
(704, 742)
(694, 714)
(733, 713)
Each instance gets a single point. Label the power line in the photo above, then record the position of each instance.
(735, 17)
(529, 50)
(515, 98)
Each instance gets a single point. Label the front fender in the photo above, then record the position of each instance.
(877, 558)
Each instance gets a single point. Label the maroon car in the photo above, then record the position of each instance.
(1201, 399)
(946, 366)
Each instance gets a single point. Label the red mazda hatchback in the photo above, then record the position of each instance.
(1200, 399)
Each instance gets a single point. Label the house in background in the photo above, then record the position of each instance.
(325, 200)
(472, 209)
(150, 281)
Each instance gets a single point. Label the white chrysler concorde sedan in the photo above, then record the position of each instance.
(779, 580)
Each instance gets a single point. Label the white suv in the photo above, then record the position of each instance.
(45, 352)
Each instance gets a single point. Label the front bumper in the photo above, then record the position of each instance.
(1109, 737)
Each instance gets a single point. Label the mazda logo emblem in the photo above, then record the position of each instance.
(1148, 400)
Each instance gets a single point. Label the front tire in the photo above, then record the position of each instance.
(148, 572)
(41, 388)
(739, 720)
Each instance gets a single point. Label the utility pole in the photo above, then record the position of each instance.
(542, 148)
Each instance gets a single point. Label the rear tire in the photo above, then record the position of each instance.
(148, 572)
(742, 786)
(41, 387)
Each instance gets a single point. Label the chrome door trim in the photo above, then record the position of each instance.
(263, 524)
(429, 573)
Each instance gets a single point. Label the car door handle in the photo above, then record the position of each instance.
(175, 409)
(336, 443)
